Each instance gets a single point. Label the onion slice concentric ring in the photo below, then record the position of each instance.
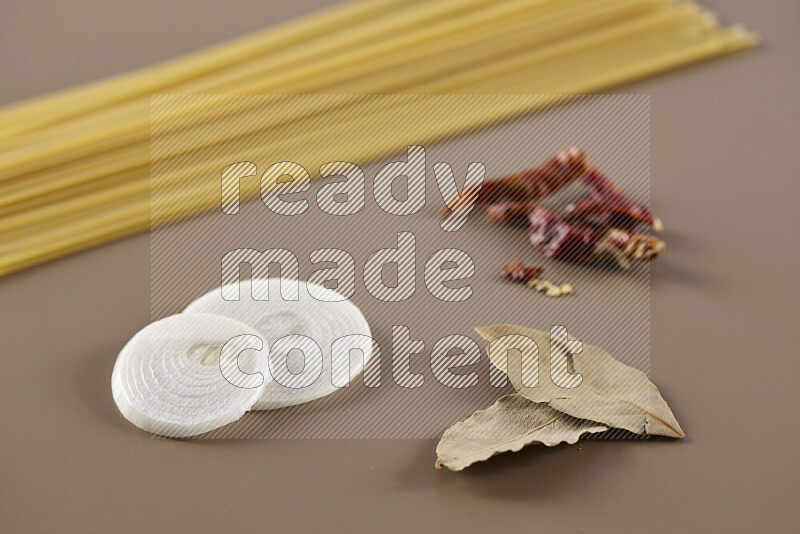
(189, 374)
(285, 324)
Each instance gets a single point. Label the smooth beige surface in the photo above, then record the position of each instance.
(725, 171)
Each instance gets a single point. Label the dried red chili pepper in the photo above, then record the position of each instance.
(581, 242)
(608, 198)
(564, 168)
(508, 212)
(519, 272)
(623, 215)
(605, 224)
(553, 175)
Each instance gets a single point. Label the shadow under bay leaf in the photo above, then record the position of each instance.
(537, 473)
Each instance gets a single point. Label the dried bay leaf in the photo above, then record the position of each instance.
(508, 425)
(611, 392)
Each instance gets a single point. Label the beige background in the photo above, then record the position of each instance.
(724, 309)
(612, 310)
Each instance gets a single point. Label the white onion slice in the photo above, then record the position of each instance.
(322, 321)
(173, 378)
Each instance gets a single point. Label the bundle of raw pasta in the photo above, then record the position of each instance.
(75, 166)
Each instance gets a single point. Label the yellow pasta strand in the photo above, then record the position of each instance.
(125, 124)
(140, 157)
(75, 102)
(75, 167)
